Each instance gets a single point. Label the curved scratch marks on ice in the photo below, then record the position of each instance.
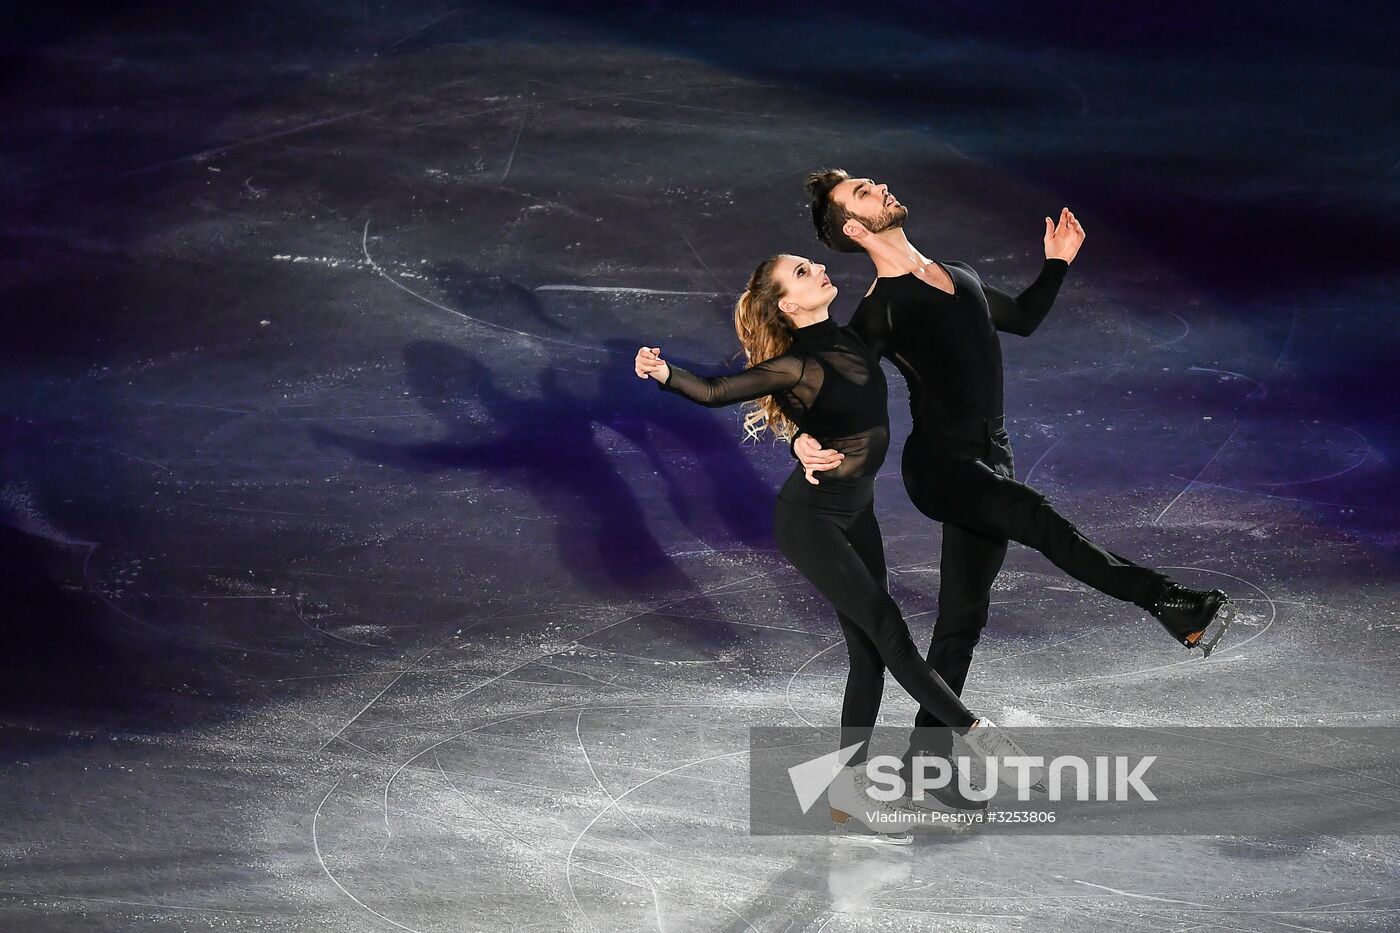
(569, 862)
(316, 844)
(787, 690)
(379, 270)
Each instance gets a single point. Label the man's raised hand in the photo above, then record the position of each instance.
(814, 457)
(1063, 239)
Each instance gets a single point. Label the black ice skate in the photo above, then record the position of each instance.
(949, 797)
(1196, 618)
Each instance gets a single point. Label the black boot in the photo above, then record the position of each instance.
(1192, 615)
(947, 797)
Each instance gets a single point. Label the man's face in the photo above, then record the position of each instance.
(871, 204)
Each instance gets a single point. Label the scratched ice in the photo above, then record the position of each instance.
(353, 580)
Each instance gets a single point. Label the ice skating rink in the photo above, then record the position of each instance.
(351, 580)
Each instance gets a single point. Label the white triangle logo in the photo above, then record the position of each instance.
(811, 778)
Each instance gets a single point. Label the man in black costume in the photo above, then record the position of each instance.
(938, 323)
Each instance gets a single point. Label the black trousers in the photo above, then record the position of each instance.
(830, 535)
(963, 475)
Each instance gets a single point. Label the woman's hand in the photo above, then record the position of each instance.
(650, 365)
(1063, 239)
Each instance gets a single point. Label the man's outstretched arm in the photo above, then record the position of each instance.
(1022, 314)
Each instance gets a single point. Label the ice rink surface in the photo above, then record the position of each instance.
(352, 580)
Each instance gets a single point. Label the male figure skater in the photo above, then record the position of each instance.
(938, 323)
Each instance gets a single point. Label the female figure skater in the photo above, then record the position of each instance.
(807, 372)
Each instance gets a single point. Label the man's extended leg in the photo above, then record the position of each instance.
(963, 474)
(971, 494)
(1195, 618)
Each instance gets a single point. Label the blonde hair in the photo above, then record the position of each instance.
(764, 332)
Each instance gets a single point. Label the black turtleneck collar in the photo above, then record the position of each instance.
(820, 332)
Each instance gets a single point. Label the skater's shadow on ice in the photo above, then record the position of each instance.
(548, 444)
(728, 487)
(72, 653)
(835, 879)
(507, 300)
(793, 899)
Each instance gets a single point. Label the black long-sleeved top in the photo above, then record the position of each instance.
(946, 345)
(829, 383)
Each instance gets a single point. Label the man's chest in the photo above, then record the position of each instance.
(919, 326)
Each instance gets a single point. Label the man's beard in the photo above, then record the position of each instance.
(889, 219)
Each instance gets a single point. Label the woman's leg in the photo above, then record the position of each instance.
(816, 541)
(865, 688)
(865, 684)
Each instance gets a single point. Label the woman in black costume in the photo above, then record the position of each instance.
(806, 372)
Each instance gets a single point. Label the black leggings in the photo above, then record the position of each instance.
(964, 477)
(830, 535)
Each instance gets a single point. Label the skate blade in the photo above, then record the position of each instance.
(1223, 617)
(931, 804)
(845, 835)
(849, 825)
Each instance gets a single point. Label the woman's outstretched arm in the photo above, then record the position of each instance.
(766, 378)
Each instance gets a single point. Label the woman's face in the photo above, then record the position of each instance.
(804, 283)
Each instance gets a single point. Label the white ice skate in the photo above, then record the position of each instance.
(989, 741)
(862, 819)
